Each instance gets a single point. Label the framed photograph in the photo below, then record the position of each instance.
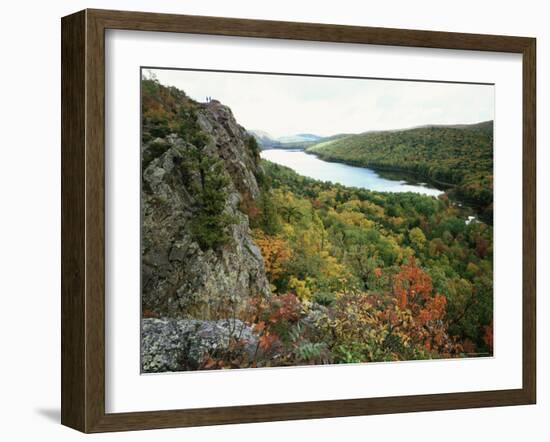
(267, 220)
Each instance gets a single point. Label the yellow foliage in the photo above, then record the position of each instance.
(300, 288)
(396, 221)
(332, 269)
(352, 219)
(417, 238)
(372, 209)
(351, 205)
(275, 251)
(288, 230)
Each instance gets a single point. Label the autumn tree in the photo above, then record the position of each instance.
(413, 290)
(276, 253)
(417, 238)
(411, 286)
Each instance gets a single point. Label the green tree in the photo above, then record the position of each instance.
(210, 224)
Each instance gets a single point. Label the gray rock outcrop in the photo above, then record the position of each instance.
(179, 278)
(180, 345)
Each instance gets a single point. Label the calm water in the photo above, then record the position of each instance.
(313, 167)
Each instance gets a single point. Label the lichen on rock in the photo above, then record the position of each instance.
(184, 344)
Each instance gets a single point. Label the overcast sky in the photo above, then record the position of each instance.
(285, 105)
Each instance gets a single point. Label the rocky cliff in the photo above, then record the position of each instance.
(198, 169)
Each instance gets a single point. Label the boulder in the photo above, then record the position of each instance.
(183, 344)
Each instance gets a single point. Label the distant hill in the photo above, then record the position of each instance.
(299, 138)
(298, 141)
(264, 139)
(482, 126)
(458, 156)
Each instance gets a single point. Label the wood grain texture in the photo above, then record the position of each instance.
(307, 410)
(144, 21)
(529, 221)
(95, 221)
(83, 220)
(73, 130)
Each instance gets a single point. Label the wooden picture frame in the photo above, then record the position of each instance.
(83, 218)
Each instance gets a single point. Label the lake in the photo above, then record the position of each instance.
(311, 166)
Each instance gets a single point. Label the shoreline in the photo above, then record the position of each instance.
(440, 185)
(448, 189)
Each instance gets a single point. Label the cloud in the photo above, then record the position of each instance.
(285, 104)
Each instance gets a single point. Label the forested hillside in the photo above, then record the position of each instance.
(386, 276)
(460, 156)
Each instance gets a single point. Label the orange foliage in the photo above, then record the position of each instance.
(411, 285)
(269, 316)
(413, 292)
(267, 340)
(433, 310)
(316, 204)
(275, 251)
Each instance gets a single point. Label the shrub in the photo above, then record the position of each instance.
(324, 298)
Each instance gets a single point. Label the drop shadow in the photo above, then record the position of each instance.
(51, 414)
